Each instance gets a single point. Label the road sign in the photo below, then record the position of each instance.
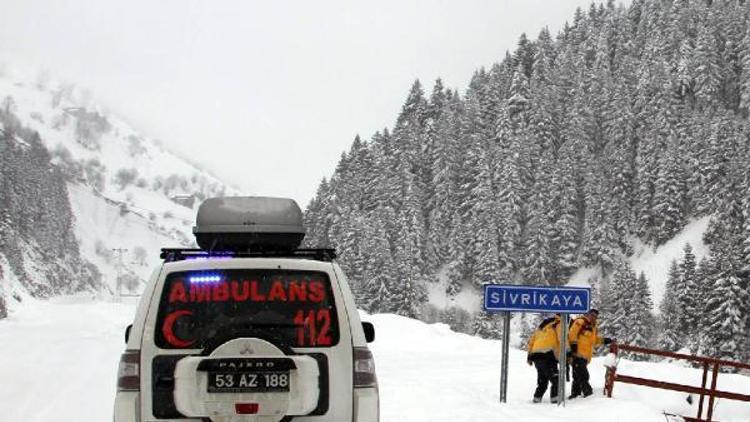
(510, 298)
(560, 300)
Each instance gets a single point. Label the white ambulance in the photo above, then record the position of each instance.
(247, 328)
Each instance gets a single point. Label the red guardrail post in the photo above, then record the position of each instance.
(712, 392)
(610, 373)
(703, 388)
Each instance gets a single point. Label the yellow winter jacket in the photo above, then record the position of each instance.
(546, 339)
(585, 335)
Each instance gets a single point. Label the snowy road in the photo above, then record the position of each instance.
(59, 359)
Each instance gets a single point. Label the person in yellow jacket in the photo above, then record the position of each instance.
(543, 352)
(583, 336)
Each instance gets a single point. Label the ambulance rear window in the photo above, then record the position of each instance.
(200, 309)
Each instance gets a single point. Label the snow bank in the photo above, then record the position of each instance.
(429, 373)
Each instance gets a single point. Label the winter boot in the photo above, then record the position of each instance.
(537, 399)
(553, 399)
(587, 390)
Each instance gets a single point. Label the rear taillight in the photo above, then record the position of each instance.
(364, 368)
(246, 408)
(128, 373)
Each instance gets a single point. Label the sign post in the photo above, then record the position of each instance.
(559, 300)
(563, 367)
(504, 359)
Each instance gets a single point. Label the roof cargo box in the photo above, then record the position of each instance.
(250, 223)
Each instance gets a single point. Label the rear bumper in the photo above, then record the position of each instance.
(127, 406)
(366, 405)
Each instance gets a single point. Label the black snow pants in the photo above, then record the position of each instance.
(580, 378)
(546, 373)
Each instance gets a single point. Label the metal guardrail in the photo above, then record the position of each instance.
(712, 393)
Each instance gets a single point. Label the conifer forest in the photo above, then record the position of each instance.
(624, 126)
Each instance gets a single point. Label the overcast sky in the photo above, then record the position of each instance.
(267, 94)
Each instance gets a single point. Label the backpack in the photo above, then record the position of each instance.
(548, 321)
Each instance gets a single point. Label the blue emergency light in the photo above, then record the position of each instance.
(205, 278)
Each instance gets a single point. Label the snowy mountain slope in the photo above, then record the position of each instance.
(576, 152)
(654, 262)
(67, 120)
(425, 373)
(127, 191)
(101, 227)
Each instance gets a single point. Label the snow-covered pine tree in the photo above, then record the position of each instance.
(428, 154)
(456, 270)
(670, 338)
(408, 294)
(566, 238)
(725, 330)
(509, 203)
(629, 307)
(599, 247)
(487, 325)
(523, 58)
(484, 221)
(408, 140)
(703, 276)
(744, 82)
(543, 114)
(314, 218)
(668, 206)
(713, 159)
(745, 236)
(707, 70)
(687, 294)
(379, 273)
(443, 202)
(686, 71)
(539, 258)
(619, 156)
(654, 112)
(470, 151)
(614, 304)
(732, 33)
(643, 324)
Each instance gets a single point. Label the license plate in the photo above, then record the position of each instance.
(248, 382)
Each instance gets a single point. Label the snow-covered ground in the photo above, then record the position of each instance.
(59, 360)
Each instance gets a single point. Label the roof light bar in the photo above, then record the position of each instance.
(205, 278)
